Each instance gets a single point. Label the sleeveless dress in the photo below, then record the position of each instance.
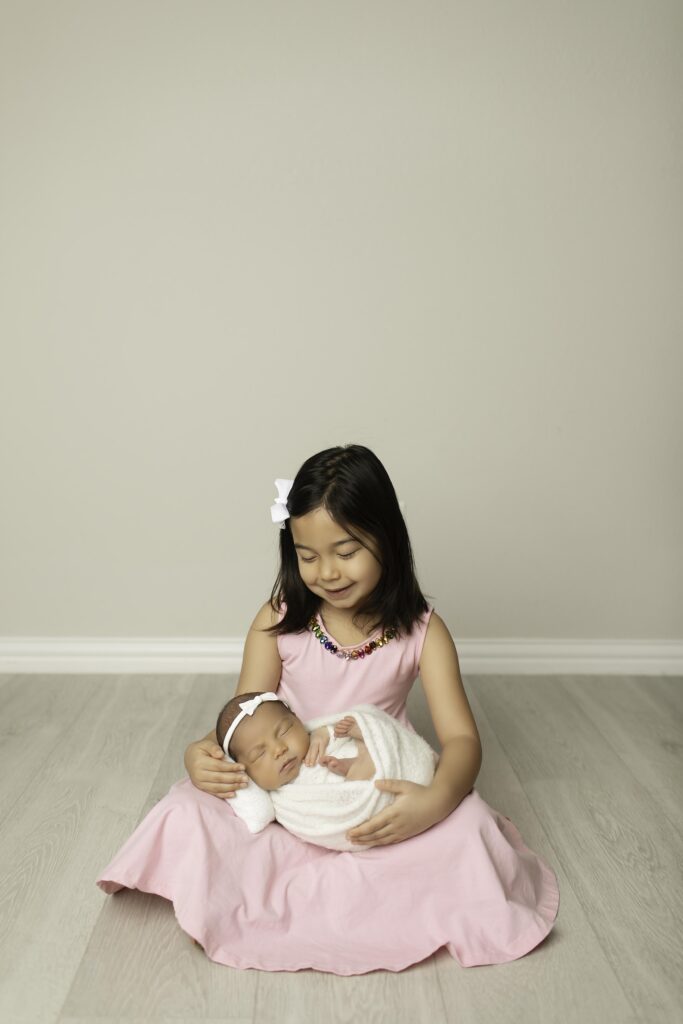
(272, 902)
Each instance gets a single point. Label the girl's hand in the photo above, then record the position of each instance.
(317, 747)
(414, 810)
(210, 772)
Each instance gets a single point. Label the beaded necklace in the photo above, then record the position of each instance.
(357, 652)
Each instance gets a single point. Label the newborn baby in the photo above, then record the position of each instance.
(272, 743)
(292, 780)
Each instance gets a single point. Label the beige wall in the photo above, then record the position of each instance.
(234, 234)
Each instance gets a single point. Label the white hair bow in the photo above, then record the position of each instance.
(279, 511)
(248, 708)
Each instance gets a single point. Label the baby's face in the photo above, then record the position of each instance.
(271, 744)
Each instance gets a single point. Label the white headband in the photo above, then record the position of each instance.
(248, 708)
(279, 511)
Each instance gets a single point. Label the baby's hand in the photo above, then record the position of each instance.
(347, 727)
(317, 746)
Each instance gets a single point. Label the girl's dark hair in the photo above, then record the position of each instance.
(353, 486)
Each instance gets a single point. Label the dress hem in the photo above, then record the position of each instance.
(546, 911)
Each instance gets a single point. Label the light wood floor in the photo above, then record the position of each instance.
(588, 768)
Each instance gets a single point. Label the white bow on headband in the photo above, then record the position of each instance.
(279, 511)
(248, 708)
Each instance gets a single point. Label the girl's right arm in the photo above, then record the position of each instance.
(261, 670)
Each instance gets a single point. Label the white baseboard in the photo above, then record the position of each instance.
(193, 656)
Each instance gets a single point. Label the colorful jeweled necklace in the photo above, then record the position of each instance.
(357, 652)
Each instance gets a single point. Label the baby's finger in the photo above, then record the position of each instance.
(313, 754)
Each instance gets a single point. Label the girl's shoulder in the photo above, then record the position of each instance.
(261, 663)
(432, 619)
(434, 625)
(424, 621)
(267, 616)
(438, 640)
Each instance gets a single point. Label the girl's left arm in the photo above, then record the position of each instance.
(452, 716)
(417, 808)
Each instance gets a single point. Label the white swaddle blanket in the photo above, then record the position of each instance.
(320, 806)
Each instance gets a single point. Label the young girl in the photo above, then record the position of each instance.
(346, 624)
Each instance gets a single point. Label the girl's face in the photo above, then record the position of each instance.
(332, 564)
(271, 744)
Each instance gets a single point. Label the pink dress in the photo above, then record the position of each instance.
(272, 902)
